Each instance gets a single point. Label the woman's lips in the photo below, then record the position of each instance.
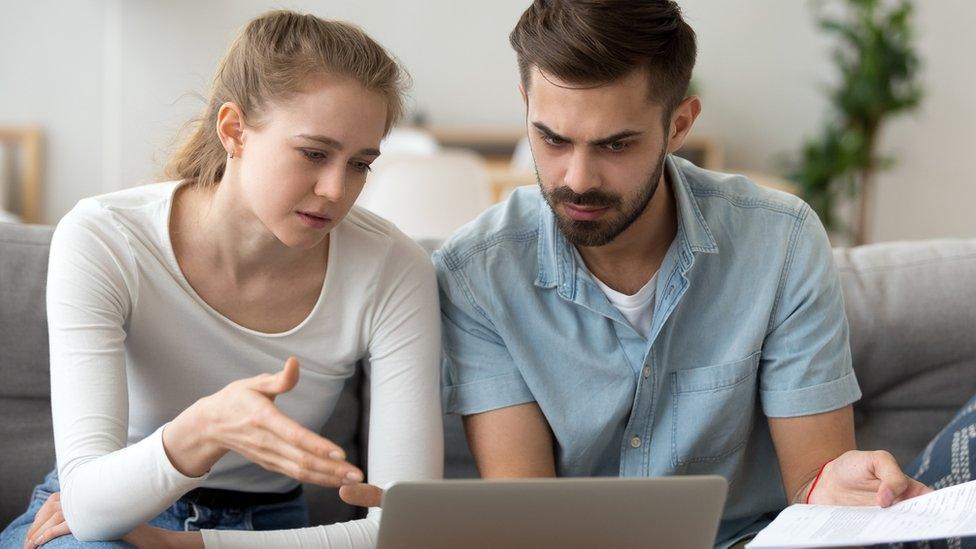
(583, 214)
(314, 220)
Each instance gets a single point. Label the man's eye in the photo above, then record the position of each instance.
(550, 140)
(617, 146)
(313, 155)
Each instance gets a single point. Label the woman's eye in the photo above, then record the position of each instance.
(313, 155)
(361, 166)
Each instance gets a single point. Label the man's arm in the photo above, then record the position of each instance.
(805, 443)
(511, 442)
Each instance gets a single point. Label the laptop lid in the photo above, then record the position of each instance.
(674, 512)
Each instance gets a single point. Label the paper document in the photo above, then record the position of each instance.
(946, 513)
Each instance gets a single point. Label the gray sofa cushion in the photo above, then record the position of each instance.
(23, 320)
(26, 445)
(912, 310)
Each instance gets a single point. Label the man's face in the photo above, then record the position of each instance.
(599, 153)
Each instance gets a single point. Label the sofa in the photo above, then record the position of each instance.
(911, 306)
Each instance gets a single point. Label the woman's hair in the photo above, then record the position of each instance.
(275, 56)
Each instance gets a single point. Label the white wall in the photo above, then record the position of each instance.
(111, 113)
(762, 65)
(51, 74)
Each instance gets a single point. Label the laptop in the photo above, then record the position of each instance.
(672, 512)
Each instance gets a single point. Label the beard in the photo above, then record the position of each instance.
(623, 211)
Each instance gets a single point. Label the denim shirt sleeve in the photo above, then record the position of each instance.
(478, 373)
(806, 365)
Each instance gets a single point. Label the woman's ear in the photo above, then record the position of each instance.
(230, 128)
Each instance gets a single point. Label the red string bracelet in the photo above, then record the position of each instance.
(815, 481)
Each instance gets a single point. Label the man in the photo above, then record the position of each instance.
(637, 315)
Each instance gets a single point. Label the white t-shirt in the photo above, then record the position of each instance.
(133, 345)
(638, 308)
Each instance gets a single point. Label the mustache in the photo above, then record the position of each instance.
(592, 198)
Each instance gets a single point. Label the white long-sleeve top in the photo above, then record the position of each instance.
(133, 345)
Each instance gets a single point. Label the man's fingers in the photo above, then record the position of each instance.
(893, 481)
(915, 489)
(362, 495)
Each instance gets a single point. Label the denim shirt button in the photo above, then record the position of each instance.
(635, 442)
(646, 372)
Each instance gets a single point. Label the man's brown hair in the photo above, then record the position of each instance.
(594, 42)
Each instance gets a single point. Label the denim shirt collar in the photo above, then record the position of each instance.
(557, 262)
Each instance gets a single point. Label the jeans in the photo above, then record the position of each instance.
(180, 516)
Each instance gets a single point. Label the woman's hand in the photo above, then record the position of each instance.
(242, 417)
(48, 523)
(362, 495)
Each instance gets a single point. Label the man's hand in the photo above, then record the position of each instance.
(864, 478)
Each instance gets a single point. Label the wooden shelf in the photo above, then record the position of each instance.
(26, 143)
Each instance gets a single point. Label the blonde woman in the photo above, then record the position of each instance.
(174, 309)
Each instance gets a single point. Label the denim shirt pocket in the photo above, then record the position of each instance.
(713, 410)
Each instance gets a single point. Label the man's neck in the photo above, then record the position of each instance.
(628, 262)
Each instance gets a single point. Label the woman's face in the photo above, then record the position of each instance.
(301, 170)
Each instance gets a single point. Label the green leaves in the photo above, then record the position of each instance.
(878, 66)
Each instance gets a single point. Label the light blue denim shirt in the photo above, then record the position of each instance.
(749, 322)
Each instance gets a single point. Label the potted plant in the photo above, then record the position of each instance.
(878, 79)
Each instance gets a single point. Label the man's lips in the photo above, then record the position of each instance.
(581, 213)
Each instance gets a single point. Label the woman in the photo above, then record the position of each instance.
(172, 307)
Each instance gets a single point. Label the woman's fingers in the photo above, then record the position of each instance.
(276, 384)
(56, 531)
(273, 461)
(314, 451)
(50, 509)
(362, 495)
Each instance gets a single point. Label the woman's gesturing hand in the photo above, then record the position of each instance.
(242, 417)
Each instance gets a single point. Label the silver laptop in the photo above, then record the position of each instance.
(673, 512)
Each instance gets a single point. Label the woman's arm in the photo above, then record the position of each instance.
(107, 488)
(406, 438)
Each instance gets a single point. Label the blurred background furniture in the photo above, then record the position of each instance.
(428, 195)
(911, 305)
(20, 174)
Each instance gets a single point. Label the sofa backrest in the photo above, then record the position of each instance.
(912, 310)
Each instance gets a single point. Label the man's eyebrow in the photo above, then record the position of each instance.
(615, 137)
(596, 142)
(335, 143)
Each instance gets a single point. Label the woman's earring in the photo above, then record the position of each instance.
(231, 155)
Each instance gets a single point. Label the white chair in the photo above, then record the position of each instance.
(429, 196)
(522, 157)
(409, 140)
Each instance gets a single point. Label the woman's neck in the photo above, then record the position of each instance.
(217, 227)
